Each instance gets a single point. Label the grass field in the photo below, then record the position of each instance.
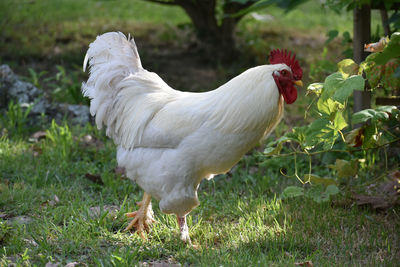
(50, 211)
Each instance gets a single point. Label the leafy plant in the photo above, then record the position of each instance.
(36, 77)
(4, 231)
(330, 131)
(16, 118)
(61, 138)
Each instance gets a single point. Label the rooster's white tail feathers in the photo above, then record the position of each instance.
(112, 57)
(124, 96)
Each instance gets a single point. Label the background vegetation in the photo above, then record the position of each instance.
(62, 199)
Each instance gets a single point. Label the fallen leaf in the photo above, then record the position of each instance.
(94, 178)
(37, 136)
(376, 202)
(50, 264)
(384, 195)
(378, 46)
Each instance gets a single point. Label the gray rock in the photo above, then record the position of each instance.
(6, 74)
(79, 114)
(40, 106)
(25, 93)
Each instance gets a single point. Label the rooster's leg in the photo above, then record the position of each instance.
(184, 229)
(143, 217)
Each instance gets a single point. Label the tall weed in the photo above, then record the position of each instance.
(59, 141)
(15, 119)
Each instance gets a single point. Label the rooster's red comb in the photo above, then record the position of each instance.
(282, 56)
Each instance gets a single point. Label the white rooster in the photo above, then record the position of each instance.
(169, 140)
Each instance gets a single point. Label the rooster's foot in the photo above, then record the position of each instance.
(184, 230)
(142, 218)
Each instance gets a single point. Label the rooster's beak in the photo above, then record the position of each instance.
(298, 83)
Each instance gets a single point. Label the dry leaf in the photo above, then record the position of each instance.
(376, 202)
(376, 47)
(387, 194)
(37, 136)
(94, 178)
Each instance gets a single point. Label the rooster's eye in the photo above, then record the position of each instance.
(284, 72)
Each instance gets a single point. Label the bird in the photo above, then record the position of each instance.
(167, 140)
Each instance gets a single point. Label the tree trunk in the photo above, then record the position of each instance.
(216, 39)
(216, 36)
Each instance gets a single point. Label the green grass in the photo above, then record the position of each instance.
(241, 220)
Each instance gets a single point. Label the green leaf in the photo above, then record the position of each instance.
(339, 122)
(378, 114)
(316, 193)
(345, 168)
(339, 89)
(331, 190)
(315, 179)
(388, 109)
(362, 116)
(292, 191)
(346, 88)
(348, 67)
(275, 147)
(328, 106)
(320, 131)
(331, 35)
(330, 84)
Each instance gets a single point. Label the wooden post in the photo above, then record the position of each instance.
(362, 35)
